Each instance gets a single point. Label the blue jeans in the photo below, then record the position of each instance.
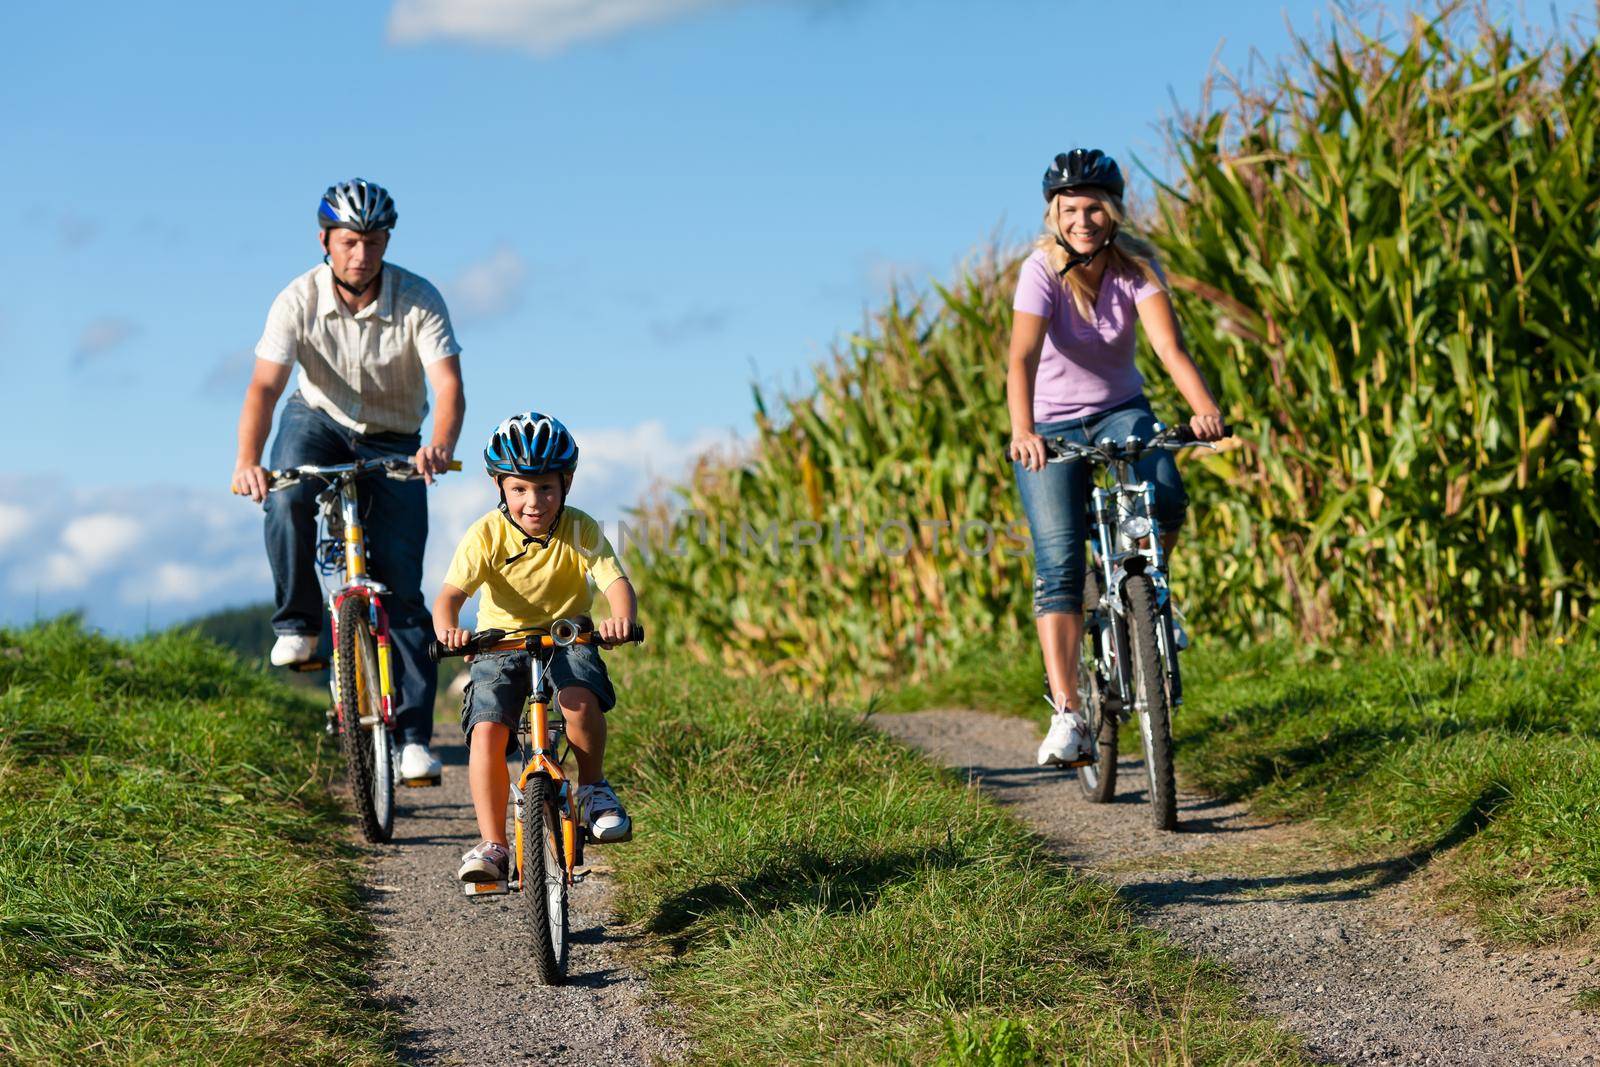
(1056, 501)
(395, 516)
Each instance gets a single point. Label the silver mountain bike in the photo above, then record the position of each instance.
(1128, 663)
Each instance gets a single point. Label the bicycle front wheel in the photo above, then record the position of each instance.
(1150, 700)
(544, 878)
(363, 737)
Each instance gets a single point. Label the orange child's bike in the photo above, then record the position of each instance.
(363, 713)
(548, 839)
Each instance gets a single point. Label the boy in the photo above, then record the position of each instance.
(533, 557)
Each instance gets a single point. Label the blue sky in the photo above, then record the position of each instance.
(635, 208)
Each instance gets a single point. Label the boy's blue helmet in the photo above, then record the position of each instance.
(530, 444)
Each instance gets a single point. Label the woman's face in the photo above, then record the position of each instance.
(1082, 221)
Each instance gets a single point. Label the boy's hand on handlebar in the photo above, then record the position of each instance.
(452, 637)
(1209, 427)
(432, 460)
(252, 481)
(615, 630)
(1028, 449)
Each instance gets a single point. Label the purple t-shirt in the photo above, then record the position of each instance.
(1085, 367)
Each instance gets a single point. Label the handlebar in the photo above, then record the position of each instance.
(400, 468)
(1170, 439)
(562, 633)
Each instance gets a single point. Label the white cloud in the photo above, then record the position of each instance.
(89, 544)
(543, 27)
(14, 522)
(489, 287)
(101, 336)
(131, 555)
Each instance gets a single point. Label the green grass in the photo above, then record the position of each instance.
(173, 883)
(1483, 769)
(814, 892)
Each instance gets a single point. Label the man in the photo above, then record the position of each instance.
(369, 337)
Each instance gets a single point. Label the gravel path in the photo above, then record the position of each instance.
(457, 968)
(1346, 955)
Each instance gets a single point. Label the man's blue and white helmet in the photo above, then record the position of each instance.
(357, 205)
(530, 444)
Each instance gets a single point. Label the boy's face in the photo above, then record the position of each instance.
(533, 502)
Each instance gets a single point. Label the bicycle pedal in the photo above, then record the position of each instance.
(308, 666)
(422, 783)
(485, 889)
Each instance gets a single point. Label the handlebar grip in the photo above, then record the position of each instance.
(455, 465)
(480, 640)
(1184, 434)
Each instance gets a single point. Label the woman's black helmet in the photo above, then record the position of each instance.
(1083, 168)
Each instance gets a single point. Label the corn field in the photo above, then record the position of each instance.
(1387, 263)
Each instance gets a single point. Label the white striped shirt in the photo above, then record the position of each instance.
(364, 370)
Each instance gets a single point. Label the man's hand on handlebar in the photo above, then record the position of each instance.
(432, 460)
(251, 480)
(1209, 427)
(1028, 448)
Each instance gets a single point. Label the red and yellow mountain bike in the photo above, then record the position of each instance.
(362, 681)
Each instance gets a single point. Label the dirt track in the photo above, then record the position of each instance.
(457, 969)
(1342, 953)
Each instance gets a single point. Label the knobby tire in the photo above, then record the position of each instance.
(1149, 682)
(371, 784)
(544, 879)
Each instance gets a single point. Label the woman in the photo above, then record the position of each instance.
(1072, 375)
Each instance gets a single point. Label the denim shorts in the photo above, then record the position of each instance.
(498, 682)
(1056, 501)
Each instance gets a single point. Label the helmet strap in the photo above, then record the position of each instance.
(340, 282)
(1079, 259)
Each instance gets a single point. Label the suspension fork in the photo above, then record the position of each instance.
(544, 762)
(1102, 506)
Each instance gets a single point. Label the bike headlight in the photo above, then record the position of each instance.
(1136, 527)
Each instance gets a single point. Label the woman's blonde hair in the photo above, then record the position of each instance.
(1126, 253)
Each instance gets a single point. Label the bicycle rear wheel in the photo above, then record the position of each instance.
(544, 878)
(1097, 779)
(368, 752)
(1150, 702)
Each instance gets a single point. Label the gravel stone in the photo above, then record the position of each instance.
(458, 969)
(1392, 981)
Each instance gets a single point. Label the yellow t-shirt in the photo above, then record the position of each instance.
(528, 584)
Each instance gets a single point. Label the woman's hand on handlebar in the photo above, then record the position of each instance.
(1028, 449)
(1209, 427)
(615, 630)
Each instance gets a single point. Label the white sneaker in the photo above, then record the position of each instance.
(417, 762)
(601, 809)
(293, 648)
(1067, 742)
(485, 862)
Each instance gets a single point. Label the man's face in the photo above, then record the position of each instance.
(533, 502)
(356, 257)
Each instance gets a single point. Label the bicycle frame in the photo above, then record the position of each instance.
(543, 761)
(1119, 555)
(342, 556)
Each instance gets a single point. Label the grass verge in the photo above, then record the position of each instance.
(1486, 769)
(817, 893)
(174, 886)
